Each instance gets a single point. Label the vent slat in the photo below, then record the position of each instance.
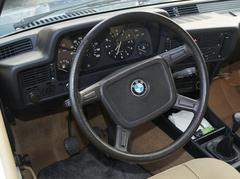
(182, 10)
(35, 76)
(18, 51)
(15, 48)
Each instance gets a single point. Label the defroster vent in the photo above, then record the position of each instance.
(182, 10)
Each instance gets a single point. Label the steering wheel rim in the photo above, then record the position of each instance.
(77, 98)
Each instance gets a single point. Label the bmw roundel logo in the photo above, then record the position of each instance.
(138, 87)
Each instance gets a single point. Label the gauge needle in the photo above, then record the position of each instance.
(118, 47)
(63, 70)
(144, 51)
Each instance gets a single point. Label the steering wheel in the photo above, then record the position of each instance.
(139, 92)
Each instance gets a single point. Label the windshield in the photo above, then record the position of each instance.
(17, 13)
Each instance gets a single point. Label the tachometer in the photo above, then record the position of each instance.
(119, 44)
(67, 49)
(64, 55)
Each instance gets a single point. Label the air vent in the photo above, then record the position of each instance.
(15, 48)
(182, 10)
(59, 18)
(35, 76)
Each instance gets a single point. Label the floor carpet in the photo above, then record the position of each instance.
(42, 138)
(91, 164)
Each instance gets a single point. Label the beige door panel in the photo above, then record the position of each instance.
(7, 163)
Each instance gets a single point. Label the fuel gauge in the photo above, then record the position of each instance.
(143, 48)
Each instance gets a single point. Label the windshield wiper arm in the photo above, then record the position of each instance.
(1, 5)
(72, 8)
(24, 22)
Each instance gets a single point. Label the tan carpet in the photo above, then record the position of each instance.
(224, 97)
(42, 139)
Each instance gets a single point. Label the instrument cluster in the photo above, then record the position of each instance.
(117, 45)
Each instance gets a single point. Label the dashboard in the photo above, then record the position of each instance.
(39, 77)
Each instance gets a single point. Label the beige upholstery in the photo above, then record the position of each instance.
(6, 156)
(205, 168)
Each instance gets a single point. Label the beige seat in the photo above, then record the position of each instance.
(205, 168)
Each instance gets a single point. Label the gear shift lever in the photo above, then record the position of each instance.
(236, 122)
(225, 146)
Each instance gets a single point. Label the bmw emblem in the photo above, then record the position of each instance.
(138, 87)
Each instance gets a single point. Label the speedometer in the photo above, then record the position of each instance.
(119, 44)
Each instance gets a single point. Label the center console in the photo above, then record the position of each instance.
(222, 143)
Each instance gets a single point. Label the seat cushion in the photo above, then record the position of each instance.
(205, 168)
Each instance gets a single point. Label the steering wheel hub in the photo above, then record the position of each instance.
(145, 100)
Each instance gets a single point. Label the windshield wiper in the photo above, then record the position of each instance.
(22, 24)
(1, 5)
(26, 21)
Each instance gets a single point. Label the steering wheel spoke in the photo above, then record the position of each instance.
(90, 94)
(186, 103)
(122, 138)
(176, 55)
